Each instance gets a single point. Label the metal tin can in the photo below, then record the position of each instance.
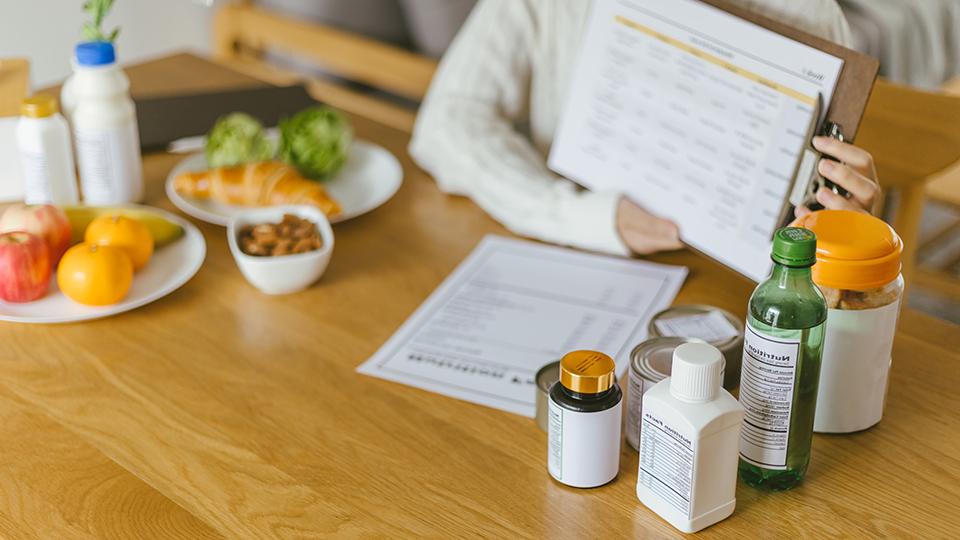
(732, 348)
(650, 363)
(546, 376)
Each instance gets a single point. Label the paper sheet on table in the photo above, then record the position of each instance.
(512, 306)
(697, 115)
(11, 179)
(711, 326)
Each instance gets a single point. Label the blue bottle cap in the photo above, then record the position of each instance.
(95, 53)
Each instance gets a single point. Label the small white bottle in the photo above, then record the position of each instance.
(583, 421)
(689, 440)
(46, 157)
(105, 128)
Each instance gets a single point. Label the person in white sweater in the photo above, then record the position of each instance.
(487, 123)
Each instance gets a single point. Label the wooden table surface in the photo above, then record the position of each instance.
(221, 412)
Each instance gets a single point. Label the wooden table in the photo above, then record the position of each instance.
(221, 412)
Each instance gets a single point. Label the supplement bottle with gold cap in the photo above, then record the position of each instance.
(583, 430)
(46, 157)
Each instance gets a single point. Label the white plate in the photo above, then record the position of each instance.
(371, 176)
(170, 267)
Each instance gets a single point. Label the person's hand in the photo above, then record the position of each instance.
(643, 232)
(856, 174)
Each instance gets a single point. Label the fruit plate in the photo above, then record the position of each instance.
(170, 267)
(371, 176)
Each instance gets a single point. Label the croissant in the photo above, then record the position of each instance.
(264, 183)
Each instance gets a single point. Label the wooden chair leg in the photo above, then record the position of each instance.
(907, 224)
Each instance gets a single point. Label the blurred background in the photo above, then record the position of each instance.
(917, 42)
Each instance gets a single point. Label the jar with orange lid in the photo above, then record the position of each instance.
(858, 271)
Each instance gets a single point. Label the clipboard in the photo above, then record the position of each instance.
(850, 97)
(700, 111)
(857, 77)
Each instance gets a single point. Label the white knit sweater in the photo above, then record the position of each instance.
(486, 125)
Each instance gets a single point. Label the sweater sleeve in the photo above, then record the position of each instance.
(466, 136)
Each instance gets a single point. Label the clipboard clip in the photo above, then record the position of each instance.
(807, 181)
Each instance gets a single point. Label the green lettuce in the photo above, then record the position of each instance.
(316, 141)
(235, 139)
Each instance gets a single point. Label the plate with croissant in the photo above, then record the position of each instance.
(370, 177)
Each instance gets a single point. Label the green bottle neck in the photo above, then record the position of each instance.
(788, 299)
(790, 277)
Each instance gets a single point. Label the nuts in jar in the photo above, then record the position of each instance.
(850, 300)
(291, 236)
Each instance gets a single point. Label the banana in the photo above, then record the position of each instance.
(163, 231)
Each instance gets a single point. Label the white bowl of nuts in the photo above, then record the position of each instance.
(281, 249)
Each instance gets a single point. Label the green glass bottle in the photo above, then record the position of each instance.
(783, 346)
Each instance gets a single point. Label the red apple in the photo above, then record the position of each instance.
(24, 267)
(46, 221)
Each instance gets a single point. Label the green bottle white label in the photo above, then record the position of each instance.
(767, 384)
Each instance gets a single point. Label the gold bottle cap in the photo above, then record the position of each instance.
(587, 372)
(39, 106)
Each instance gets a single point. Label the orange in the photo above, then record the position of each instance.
(123, 232)
(95, 275)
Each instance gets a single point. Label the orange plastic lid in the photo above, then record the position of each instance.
(854, 250)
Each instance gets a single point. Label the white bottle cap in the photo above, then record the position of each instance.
(696, 375)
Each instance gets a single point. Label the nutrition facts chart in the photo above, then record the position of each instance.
(695, 114)
(513, 306)
(666, 462)
(767, 384)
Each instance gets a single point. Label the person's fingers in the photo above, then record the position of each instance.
(645, 233)
(645, 244)
(862, 189)
(665, 229)
(832, 201)
(800, 211)
(854, 156)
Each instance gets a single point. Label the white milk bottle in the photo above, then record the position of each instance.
(68, 99)
(105, 128)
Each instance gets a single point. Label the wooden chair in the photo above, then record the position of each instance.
(943, 188)
(243, 32)
(14, 84)
(912, 134)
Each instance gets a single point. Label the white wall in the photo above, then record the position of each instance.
(45, 31)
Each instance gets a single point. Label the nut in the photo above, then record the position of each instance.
(291, 235)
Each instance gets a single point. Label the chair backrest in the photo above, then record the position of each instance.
(243, 28)
(912, 135)
(14, 84)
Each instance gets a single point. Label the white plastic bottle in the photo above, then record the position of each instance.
(105, 128)
(43, 141)
(68, 99)
(689, 442)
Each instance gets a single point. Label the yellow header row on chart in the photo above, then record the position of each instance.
(699, 53)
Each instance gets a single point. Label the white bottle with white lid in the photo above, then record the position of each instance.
(689, 442)
(105, 128)
(43, 141)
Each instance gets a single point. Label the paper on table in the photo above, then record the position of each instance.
(512, 306)
(711, 326)
(11, 179)
(695, 114)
